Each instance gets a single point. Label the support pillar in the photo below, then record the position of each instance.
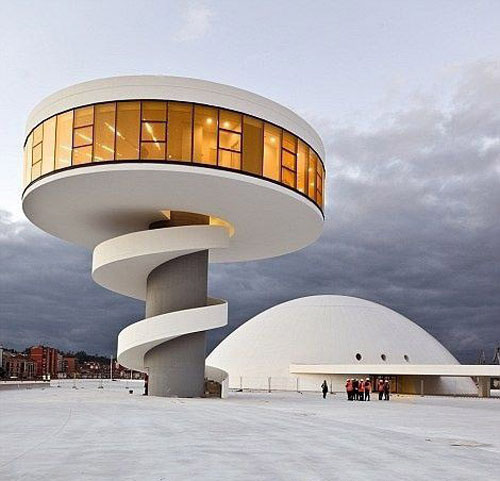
(176, 368)
(483, 388)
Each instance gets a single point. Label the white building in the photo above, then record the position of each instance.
(297, 344)
(158, 176)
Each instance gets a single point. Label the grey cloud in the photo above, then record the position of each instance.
(412, 223)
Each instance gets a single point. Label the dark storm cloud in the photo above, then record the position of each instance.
(412, 223)
(47, 294)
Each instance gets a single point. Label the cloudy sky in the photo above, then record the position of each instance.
(406, 96)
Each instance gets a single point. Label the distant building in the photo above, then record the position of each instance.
(17, 366)
(70, 366)
(48, 361)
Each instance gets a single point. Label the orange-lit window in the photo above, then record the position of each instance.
(272, 152)
(49, 144)
(230, 159)
(180, 117)
(83, 135)
(104, 132)
(289, 159)
(320, 183)
(153, 130)
(177, 131)
(36, 171)
(153, 150)
(289, 142)
(253, 145)
(229, 139)
(84, 116)
(302, 164)
(26, 173)
(38, 135)
(127, 130)
(37, 153)
(311, 190)
(82, 155)
(154, 111)
(205, 135)
(64, 139)
(229, 120)
(29, 158)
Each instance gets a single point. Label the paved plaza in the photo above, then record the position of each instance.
(62, 433)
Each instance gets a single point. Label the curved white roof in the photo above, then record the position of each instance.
(326, 330)
(165, 87)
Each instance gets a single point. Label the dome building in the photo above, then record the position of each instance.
(297, 344)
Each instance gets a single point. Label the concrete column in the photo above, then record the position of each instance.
(177, 367)
(483, 388)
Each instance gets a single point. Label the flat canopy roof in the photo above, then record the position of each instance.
(452, 370)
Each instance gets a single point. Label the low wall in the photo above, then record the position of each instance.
(10, 385)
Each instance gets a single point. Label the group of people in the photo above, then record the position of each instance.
(360, 389)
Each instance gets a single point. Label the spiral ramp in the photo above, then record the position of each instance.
(123, 264)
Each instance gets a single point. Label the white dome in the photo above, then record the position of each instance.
(324, 330)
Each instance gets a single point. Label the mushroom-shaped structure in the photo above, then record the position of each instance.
(158, 176)
(335, 331)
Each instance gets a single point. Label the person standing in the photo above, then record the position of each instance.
(361, 390)
(355, 389)
(368, 388)
(348, 388)
(387, 390)
(380, 389)
(324, 389)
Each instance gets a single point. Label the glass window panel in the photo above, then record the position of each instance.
(319, 199)
(229, 140)
(37, 153)
(288, 160)
(84, 116)
(179, 131)
(25, 167)
(312, 175)
(302, 156)
(154, 131)
(288, 177)
(29, 156)
(229, 159)
(64, 136)
(82, 136)
(272, 152)
(205, 135)
(49, 144)
(321, 190)
(127, 130)
(82, 155)
(229, 120)
(153, 150)
(38, 134)
(289, 141)
(104, 132)
(253, 145)
(154, 111)
(36, 171)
